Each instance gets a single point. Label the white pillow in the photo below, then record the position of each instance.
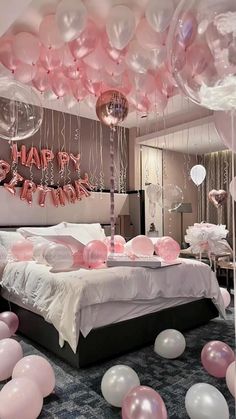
(95, 230)
(8, 238)
(38, 231)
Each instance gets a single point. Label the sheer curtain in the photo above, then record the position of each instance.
(218, 166)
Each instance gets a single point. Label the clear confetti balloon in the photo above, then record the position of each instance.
(21, 113)
(202, 51)
(172, 197)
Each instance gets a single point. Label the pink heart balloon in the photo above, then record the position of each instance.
(217, 198)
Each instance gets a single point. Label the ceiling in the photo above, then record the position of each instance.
(21, 15)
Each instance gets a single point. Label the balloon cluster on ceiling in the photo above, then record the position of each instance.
(71, 55)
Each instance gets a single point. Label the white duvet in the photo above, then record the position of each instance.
(59, 297)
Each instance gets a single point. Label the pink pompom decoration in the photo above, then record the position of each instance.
(142, 246)
(22, 250)
(216, 356)
(95, 254)
(167, 248)
(11, 320)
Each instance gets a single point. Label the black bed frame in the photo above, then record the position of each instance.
(115, 339)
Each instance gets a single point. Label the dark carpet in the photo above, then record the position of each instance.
(78, 396)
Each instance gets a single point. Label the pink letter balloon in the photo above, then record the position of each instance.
(10, 353)
(167, 248)
(11, 321)
(4, 331)
(143, 403)
(216, 356)
(231, 378)
(95, 254)
(37, 369)
(22, 250)
(20, 398)
(142, 246)
(226, 297)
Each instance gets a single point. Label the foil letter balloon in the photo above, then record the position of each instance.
(112, 107)
(13, 182)
(63, 159)
(46, 157)
(15, 154)
(217, 198)
(44, 189)
(28, 189)
(4, 169)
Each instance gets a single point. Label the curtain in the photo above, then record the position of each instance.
(218, 166)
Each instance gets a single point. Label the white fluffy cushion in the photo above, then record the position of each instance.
(95, 230)
(8, 238)
(40, 231)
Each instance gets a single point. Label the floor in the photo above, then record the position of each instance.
(78, 396)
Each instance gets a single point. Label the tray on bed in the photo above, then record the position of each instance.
(114, 339)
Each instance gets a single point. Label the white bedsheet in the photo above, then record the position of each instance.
(60, 297)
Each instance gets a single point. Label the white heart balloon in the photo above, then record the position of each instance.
(120, 26)
(198, 174)
(232, 188)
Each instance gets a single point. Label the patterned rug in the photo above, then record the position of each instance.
(78, 396)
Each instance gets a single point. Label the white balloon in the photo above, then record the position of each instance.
(117, 382)
(232, 188)
(170, 344)
(138, 58)
(58, 256)
(120, 26)
(198, 174)
(71, 18)
(205, 401)
(159, 13)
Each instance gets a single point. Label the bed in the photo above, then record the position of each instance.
(86, 316)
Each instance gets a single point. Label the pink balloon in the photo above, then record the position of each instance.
(7, 57)
(216, 356)
(95, 254)
(10, 353)
(78, 259)
(231, 378)
(67, 58)
(37, 369)
(4, 330)
(116, 55)
(59, 84)
(120, 82)
(50, 59)
(93, 81)
(78, 89)
(226, 297)
(142, 246)
(76, 71)
(143, 403)
(198, 58)
(119, 242)
(140, 101)
(113, 68)
(22, 250)
(49, 33)
(97, 58)
(86, 42)
(165, 82)
(26, 47)
(11, 320)
(149, 38)
(20, 398)
(222, 122)
(167, 248)
(144, 83)
(25, 73)
(158, 100)
(41, 80)
(187, 29)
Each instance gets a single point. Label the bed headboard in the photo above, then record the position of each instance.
(96, 208)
